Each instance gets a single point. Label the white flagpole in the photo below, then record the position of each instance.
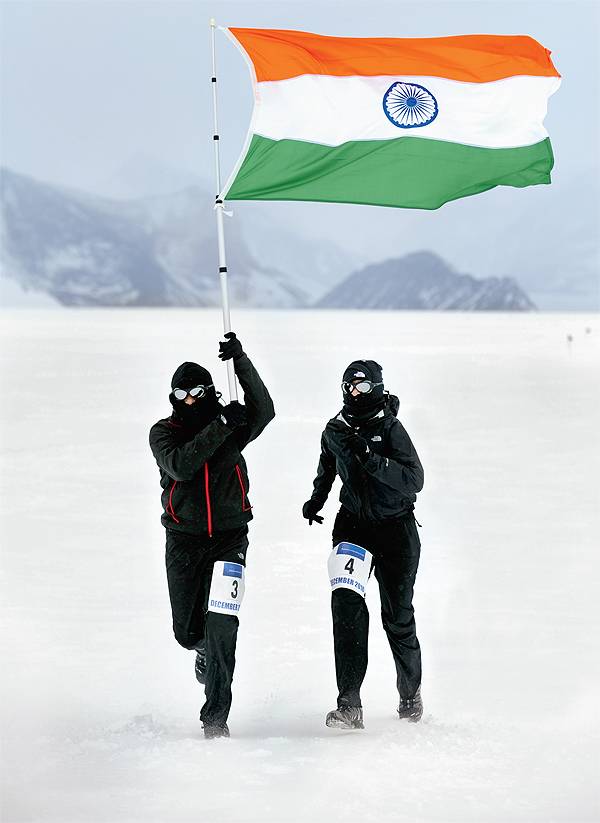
(219, 207)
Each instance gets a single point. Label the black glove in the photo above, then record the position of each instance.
(357, 446)
(339, 428)
(309, 511)
(348, 438)
(234, 414)
(230, 348)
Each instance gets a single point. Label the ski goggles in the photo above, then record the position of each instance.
(364, 387)
(197, 391)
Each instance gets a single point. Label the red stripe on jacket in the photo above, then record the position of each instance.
(241, 479)
(207, 495)
(170, 509)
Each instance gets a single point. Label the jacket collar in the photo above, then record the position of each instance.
(377, 416)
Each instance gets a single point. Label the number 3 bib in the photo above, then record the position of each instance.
(226, 588)
(349, 567)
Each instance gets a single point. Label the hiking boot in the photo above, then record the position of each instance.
(346, 717)
(411, 708)
(211, 732)
(200, 666)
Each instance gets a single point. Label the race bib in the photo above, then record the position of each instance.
(226, 588)
(349, 567)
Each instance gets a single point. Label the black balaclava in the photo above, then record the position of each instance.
(361, 408)
(205, 409)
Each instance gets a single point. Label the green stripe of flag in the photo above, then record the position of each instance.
(409, 172)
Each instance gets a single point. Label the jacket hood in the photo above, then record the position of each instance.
(393, 404)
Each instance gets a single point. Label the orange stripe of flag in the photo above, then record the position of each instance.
(474, 58)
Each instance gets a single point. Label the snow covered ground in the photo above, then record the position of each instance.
(99, 706)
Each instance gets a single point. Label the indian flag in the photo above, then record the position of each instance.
(411, 123)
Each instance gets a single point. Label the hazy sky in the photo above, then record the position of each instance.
(90, 89)
(87, 86)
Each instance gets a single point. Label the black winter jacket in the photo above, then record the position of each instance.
(383, 486)
(203, 476)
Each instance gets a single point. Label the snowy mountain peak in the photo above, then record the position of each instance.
(422, 280)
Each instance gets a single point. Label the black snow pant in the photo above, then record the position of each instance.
(190, 559)
(396, 549)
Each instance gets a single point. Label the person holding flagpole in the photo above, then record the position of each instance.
(205, 503)
(374, 530)
(206, 511)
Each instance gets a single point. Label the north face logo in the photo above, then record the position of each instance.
(359, 374)
(376, 439)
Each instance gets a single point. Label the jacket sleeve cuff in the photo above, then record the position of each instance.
(241, 362)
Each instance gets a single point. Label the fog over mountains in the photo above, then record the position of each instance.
(92, 251)
(65, 247)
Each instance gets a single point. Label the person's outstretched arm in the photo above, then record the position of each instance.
(257, 400)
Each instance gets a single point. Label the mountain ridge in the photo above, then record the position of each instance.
(84, 250)
(424, 281)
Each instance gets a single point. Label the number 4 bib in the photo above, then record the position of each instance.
(349, 567)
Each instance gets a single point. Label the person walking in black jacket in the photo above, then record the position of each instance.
(367, 446)
(206, 510)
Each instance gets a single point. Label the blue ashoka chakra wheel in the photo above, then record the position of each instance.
(409, 106)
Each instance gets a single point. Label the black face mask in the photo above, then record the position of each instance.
(197, 415)
(203, 410)
(364, 406)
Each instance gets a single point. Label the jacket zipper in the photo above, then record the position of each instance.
(245, 508)
(364, 497)
(207, 495)
(170, 509)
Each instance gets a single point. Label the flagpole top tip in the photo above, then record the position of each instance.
(213, 23)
